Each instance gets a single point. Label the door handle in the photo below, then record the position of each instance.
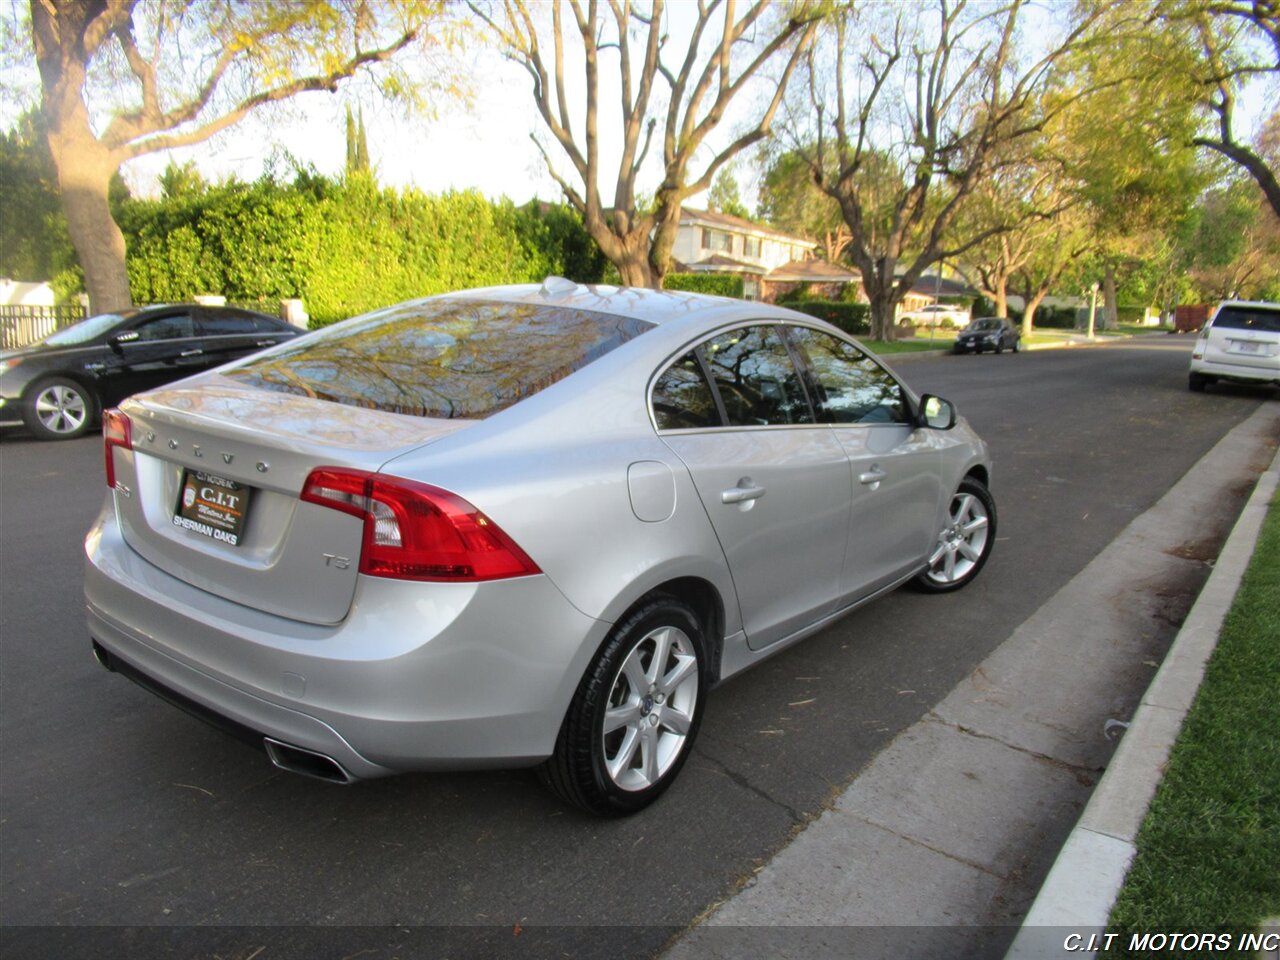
(742, 493)
(872, 477)
(191, 353)
(265, 343)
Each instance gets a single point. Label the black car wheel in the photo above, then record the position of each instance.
(59, 409)
(633, 720)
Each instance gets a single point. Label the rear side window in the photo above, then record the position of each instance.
(226, 324)
(757, 381)
(1248, 318)
(682, 397)
(442, 358)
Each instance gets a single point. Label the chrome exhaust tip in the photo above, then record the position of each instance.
(104, 659)
(308, 763)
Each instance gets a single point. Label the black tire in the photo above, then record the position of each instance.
(578, 771)
(1196, 382)
(1017, 345)
(938, 577)
(1000, 346)
(59, 409)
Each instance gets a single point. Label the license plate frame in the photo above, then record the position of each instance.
(212, 506)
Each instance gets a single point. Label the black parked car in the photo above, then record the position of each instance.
(988, 333)
(60, 385)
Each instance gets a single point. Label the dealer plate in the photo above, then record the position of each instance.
(212, 506)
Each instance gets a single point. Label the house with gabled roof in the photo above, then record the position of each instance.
(769, 261)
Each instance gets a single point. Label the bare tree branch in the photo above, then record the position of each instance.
(701, 90)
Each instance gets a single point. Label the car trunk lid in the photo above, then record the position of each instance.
(210, 490)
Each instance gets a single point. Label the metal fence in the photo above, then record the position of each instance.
(21, 325)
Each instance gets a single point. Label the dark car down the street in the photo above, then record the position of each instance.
(60, 385)
(988, 333)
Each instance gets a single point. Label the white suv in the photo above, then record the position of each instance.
(935, 313)
(1240, 342)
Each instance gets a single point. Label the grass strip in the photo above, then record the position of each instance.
(880, 347)
(1039, 338)
(1209, 850)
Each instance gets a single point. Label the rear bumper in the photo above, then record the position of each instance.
(419, 676)
(1239, 373)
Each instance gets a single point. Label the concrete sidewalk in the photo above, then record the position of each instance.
(938, 846)
(1077, 896)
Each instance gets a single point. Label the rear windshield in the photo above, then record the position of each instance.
(1248, 318)
(442, 358)
(987, 324)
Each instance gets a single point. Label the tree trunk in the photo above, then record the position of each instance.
(634, 270)
(663, 239)
(84, 177)
(883, 314)
(629, 252)
(1109, 313)
(84, 165)
(1002, 297)
(1032, 305)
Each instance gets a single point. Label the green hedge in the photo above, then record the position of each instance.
(852, 318)
(1055, 318)
(718, 284)
(343, 247)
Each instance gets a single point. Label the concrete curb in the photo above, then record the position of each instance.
(1081, 888)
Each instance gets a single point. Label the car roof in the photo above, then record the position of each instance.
(130, 313)
(654, 306)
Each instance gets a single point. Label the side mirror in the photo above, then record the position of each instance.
(936, 413)
(128, 336)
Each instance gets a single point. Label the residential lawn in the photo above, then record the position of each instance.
(1129, 330)
(907, 346)
(1209, 850)
(939, 334)
(1045, 338)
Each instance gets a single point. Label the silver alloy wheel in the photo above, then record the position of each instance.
(962, 542)
(61, 409)
(650, 709)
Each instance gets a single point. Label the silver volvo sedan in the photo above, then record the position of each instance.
(528, 525)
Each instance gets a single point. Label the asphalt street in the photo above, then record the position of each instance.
(117, 811)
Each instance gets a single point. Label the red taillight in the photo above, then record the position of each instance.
(414, 531)
(115, 433)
